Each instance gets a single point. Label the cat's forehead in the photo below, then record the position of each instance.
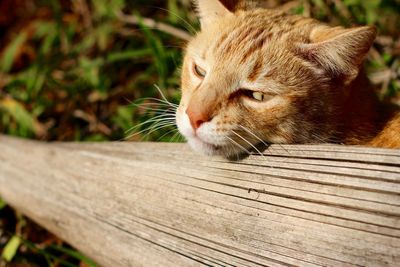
(242, 36)
(252, 46)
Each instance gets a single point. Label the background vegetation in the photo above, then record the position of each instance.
(77, 70)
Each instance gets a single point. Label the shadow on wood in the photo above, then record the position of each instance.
(133, 204)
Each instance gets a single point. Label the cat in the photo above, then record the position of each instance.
(254, 75)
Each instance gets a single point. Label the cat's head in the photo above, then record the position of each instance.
(254, 75)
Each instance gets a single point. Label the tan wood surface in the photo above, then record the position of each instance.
(148, 204)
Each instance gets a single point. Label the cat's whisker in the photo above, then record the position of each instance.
(248, 142)
(258, 138)
(159, 101)
(153, 128)
(163, 96)
(155, 105)
(158, 110)
(238, 145)
(180, 137)
(170, 119)
(318, 137)
(166, 117)
(151, 120)
(263, 142)
(155, 108)
(151, 98)
(160, 104)
(177, 32)
(174, 136)
(171, 131)
(188, 26)
(253, 134)
(163, 120)
(160, 126)
(267, 145)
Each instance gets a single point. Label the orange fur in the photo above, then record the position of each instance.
(389, 136)
(309, 77)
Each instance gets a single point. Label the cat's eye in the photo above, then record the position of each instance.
(258, 96)
(199, 71)
(253, 95)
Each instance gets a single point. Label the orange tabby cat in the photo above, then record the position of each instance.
(254, 75)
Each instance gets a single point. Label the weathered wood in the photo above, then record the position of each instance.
(146, 204)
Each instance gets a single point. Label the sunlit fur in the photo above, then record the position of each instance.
(309, 72)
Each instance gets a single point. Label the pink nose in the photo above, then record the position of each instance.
(197, 117)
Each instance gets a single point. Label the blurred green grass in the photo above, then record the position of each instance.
(68, 72)
(76, 70)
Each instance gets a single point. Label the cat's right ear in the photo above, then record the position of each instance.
(211, 10)
(338, 50)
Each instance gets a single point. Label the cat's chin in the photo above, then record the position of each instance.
(205, 148)
(208, 149)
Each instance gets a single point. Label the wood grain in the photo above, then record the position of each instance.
(147, 204)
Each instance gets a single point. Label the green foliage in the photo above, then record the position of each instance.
(2, 204)
(74, 254)
(10, 52)
(85, 60)
(25, 121)
(11, 248)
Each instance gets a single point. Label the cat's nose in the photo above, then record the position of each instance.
(197, 117)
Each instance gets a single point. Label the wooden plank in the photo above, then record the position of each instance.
(148, 204)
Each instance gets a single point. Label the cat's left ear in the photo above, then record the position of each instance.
(211, 10)
(338, 50)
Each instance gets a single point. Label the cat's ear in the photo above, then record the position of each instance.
(338, 50)
(211, 10)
